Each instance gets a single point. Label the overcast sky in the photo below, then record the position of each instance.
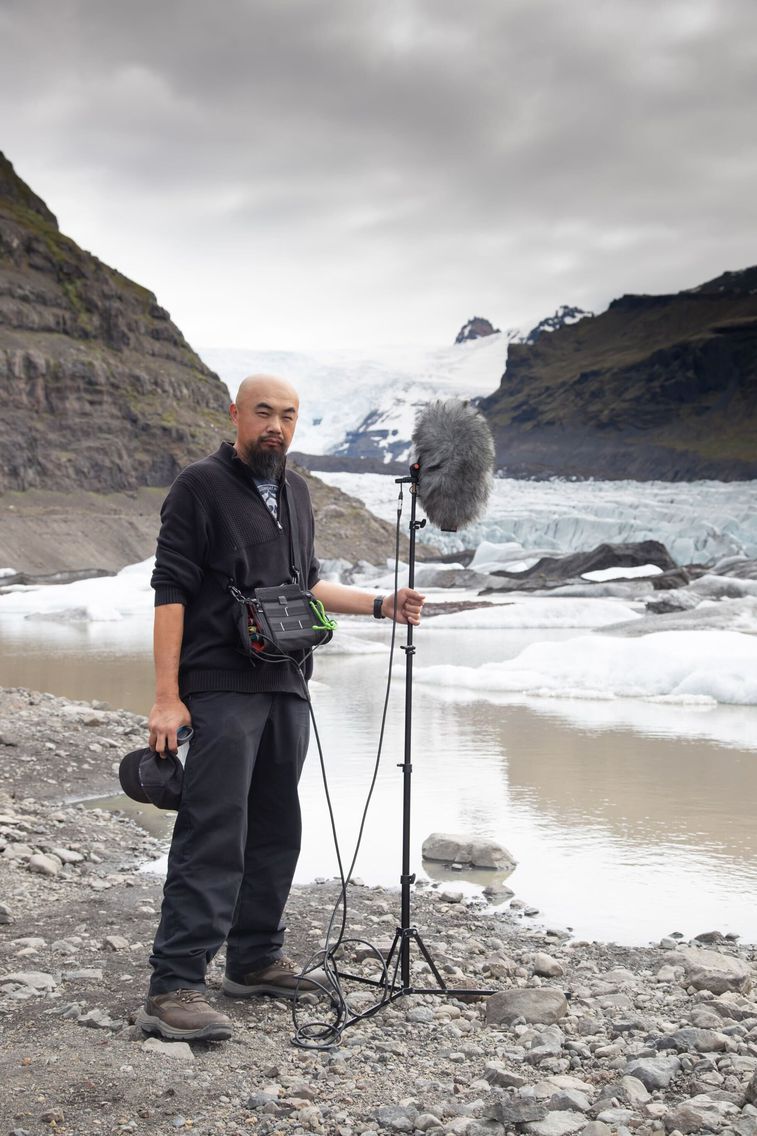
(298, 173)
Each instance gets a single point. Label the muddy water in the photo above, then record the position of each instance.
(628, 820)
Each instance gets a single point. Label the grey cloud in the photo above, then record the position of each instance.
(539, 148)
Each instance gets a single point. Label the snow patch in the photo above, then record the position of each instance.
(720, 666)
(104, 599)
(536, 612)
(601, 575)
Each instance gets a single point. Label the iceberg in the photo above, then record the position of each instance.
(702, 667)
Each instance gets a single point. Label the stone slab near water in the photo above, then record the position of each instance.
(452, 848)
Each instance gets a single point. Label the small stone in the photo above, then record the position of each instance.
(68, 855)
(513, 1111)
(632, 1090)
(52, 1116)
(545, 1005)
(179, 1050)
(5, 914)
(690, 1039)
(396, 1118)
(710, 937)
(99, 1019)
(615, 1117)
(751, 1090)
(421, 1014)
(115, 943)
(546, 966)
(711, 970)
(699, 1114)
(498, 1074)
(427, 1120)
(449, 895)
(43, 864)
(654, 1072)
(557, 1124)
(569, 1100)
(34, 979)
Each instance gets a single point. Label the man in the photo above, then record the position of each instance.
(237, 834)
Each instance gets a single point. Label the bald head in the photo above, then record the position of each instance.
(265, 415)
(266, 387)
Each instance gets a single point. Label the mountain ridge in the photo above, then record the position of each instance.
(101, 388)
(657, 387)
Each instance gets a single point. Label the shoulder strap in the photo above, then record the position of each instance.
(295, 564)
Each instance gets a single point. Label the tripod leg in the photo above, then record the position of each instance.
(424, 951)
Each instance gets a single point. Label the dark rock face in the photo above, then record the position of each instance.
(99, 388)
(563, 316)
(655, 387)
(553, 570)
(475, 328)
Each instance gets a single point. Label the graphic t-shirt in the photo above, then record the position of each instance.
(269, 491)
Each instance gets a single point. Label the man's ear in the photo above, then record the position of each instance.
(233, 413)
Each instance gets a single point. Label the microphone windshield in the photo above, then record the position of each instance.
(455, 451)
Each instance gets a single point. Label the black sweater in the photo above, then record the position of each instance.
(215, 525)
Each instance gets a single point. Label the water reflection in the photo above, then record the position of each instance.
(628, 819)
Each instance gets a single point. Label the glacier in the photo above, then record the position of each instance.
(343, 392)
(699, 522)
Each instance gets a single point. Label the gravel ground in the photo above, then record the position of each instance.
(580, 1037)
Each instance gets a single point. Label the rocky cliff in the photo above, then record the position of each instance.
(656, 387)
(103, 403)
(99, 388)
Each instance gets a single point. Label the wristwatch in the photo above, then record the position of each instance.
(378, 604)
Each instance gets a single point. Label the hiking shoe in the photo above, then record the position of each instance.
(281, 978)
(183, 1015)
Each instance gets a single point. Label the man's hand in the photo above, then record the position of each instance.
(165, 719)
(407, 608)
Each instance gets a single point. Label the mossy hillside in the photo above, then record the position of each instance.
(676, 374)
(91, 367)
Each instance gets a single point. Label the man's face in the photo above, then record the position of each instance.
(265, 415)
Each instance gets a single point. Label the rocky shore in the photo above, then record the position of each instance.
(581, 1037)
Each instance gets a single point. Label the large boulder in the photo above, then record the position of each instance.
(711, 970)
(452, 848)
(551, 570)
(542, 1006)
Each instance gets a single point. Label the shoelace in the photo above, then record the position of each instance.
(287, 964)
(190, 995)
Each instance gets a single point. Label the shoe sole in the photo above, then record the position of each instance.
(238, 990)
(151, 1024)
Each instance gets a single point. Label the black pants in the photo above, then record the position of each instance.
(237, 837)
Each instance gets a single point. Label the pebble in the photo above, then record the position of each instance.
(654, 1072)
(35, 979)
(45, 865)
(547, 966)
(178, 1050)
(545, 1005)
(115, 943)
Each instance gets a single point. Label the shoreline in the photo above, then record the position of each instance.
(607, 1023)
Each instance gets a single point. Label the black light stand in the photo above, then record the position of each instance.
(394, 982)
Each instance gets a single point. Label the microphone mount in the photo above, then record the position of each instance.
(395, 980)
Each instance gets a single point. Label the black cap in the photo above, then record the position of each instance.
(147, 777)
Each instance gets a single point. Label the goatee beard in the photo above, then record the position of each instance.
(262, 461)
